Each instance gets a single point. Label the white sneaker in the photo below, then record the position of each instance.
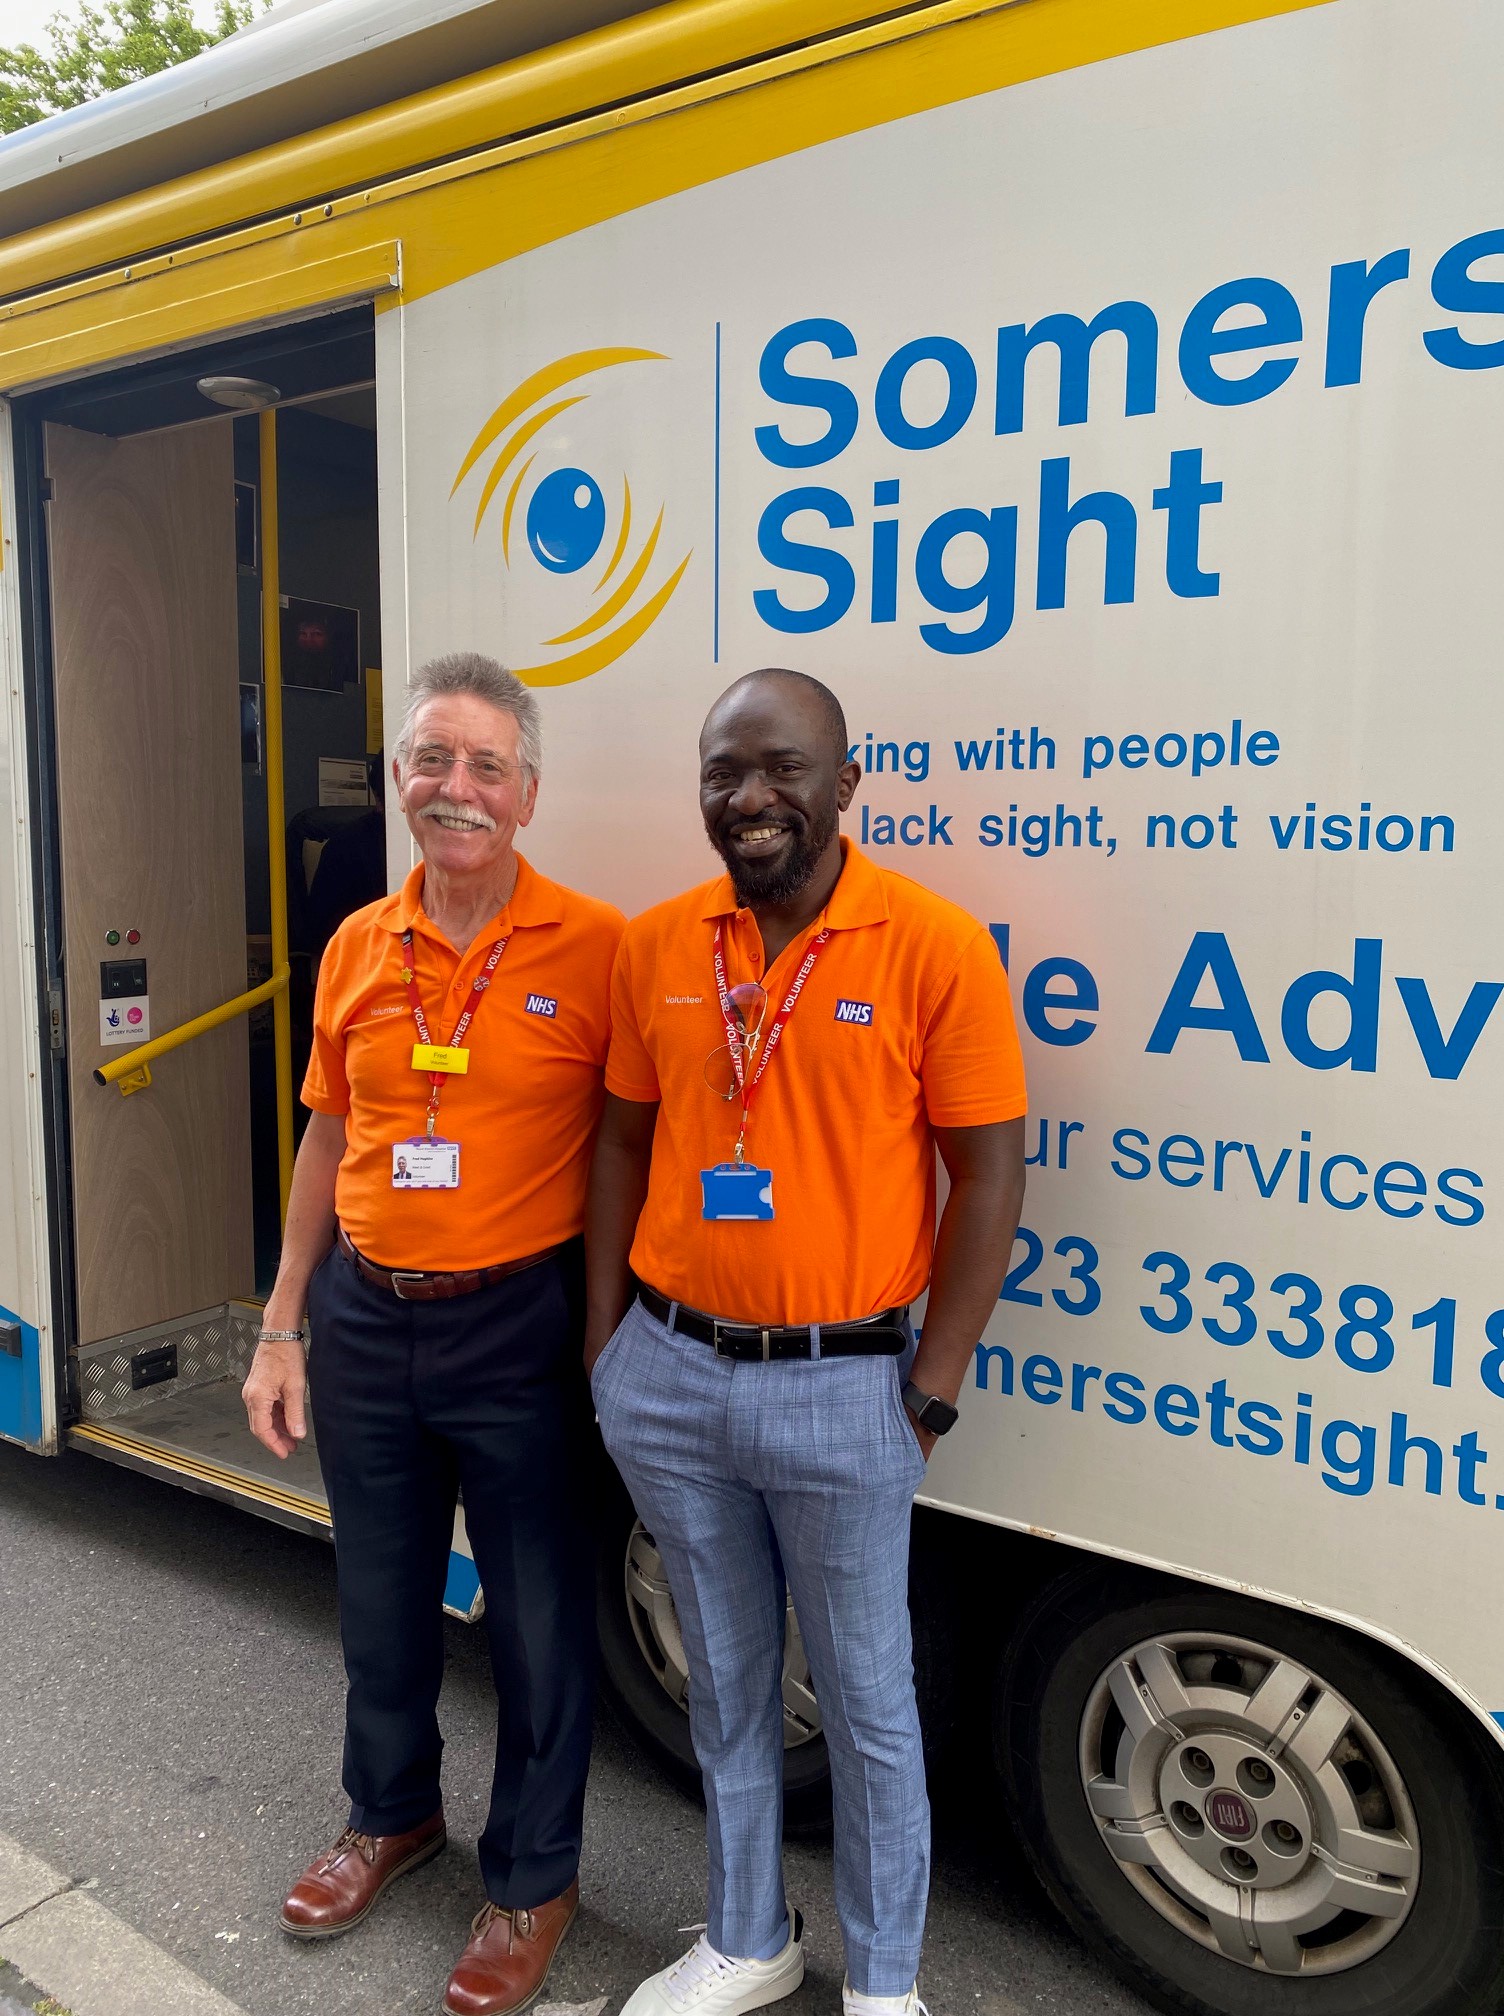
(853, 2004)
(710, 1984)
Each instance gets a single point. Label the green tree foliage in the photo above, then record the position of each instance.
(96, 49)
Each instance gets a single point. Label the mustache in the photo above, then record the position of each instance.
(472, 815)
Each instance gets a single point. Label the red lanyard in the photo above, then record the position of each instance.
(456, 1041)
(736, 1040)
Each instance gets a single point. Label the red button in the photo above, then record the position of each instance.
(133, 937)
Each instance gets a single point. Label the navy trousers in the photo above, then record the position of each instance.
(414, 1402)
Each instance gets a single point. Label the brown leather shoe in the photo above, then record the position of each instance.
(336, 1891)
(509, 1955)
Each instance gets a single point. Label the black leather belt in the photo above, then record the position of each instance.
(882, 1335)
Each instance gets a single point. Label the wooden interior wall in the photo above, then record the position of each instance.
(142, 552)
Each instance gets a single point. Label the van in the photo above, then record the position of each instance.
(1102, 399)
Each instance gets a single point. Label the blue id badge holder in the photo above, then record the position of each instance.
(736, 1191)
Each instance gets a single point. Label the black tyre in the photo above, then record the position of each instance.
(1249, 1812)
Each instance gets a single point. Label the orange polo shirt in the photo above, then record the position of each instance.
(904, 1025)
(524, 1113)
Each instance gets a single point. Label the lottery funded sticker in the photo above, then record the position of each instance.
(126, 1020)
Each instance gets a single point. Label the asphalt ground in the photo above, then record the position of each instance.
(170, 1714)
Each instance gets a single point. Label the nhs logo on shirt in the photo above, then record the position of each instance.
(859, 1012)
(542, 1004)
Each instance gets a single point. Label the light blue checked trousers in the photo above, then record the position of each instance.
(747, 1474)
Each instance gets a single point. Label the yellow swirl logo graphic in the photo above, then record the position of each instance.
(564, 519)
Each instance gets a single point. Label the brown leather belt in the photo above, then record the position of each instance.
(408, 1285)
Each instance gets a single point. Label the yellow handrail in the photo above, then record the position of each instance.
(133, 1060)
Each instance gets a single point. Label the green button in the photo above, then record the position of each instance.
(112, 937)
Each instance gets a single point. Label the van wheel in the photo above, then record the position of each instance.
(1248, 1812)
(645, 1676)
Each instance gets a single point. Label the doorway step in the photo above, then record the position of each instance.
(166, 1401)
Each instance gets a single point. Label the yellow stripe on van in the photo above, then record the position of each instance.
(463, 216)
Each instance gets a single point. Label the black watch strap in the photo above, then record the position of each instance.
(929, 1411)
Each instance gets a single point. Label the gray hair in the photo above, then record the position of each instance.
(488, 680)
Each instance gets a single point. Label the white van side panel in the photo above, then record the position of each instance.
(28, 1407)
(1267, 1057)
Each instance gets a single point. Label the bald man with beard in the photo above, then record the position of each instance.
(791, 1044)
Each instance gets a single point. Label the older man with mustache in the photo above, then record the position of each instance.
(433, 1241)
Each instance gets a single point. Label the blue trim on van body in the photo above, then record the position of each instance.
(21, 1385)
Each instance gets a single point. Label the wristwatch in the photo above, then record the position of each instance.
(929, 1411)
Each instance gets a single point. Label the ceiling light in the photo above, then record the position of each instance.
(245, 395)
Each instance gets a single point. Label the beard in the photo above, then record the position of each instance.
(782, 880)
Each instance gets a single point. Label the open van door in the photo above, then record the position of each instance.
(141, 547)
(169, 533)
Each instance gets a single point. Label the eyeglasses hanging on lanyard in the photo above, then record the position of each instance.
(749, 1000)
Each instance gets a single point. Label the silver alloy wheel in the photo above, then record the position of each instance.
(655, 1625)
(1249, 1803)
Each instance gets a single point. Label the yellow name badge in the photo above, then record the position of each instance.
(439, 1057)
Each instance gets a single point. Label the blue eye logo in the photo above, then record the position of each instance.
(566, 519)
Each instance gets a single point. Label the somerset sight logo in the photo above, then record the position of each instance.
(555, 515)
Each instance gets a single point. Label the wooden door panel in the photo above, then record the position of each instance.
(142, 553)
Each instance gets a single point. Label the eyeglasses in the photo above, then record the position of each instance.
(749, 1003)
(434, 762)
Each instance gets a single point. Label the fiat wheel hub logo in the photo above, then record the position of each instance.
(1229, 1814)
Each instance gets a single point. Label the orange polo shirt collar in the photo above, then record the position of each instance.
(534, 900)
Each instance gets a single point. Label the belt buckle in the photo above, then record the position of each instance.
(761, 1331)
(399, 1275)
